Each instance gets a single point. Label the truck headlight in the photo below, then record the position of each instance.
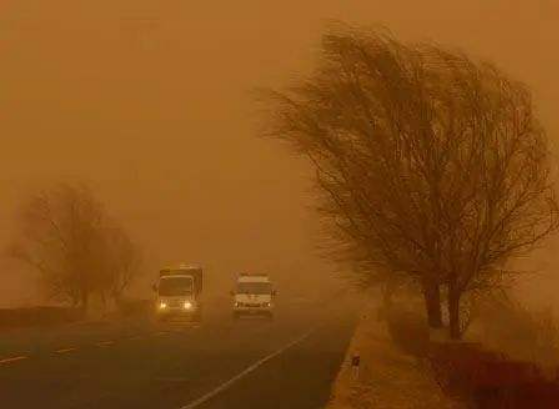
(162, 306)
(187, 305)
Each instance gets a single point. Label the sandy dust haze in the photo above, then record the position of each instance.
(149, 101)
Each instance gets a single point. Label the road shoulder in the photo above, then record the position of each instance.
(386, 378)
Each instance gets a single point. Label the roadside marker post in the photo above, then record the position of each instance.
(355, 363)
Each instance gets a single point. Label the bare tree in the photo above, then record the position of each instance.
(125, 262)
(67, 237)
(433, 165)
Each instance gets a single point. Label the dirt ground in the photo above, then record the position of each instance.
(387, 378)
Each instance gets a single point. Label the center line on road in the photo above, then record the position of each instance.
(226, 385)
(64, 350)
(12, 359)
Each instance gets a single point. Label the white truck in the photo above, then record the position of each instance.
(178, 292)
(253, 295)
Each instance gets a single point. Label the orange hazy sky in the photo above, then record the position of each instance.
(149, 101)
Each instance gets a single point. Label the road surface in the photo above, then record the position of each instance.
(136, 363)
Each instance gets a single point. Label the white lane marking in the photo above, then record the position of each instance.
(64, 350)
(135, 337)
(105, 343)
(12, 359)
(182, 330)
(226, 385)
(173, 380)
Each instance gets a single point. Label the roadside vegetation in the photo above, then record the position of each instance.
(432, 167)
(79, 252)
(433, 172)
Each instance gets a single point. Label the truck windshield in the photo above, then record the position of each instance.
(254, 288)
(173, 286)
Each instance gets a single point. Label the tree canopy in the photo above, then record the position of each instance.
(68, 237)
(431, 165)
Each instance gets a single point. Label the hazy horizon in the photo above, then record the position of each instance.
(150, 103)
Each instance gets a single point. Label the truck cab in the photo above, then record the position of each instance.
(253, 295)
(178, 292)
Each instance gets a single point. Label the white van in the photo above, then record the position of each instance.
(253, 295)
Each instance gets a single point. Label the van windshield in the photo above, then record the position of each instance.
(254, 288)
(174, 286)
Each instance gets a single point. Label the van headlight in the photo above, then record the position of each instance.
(187, 305)
(162, 306)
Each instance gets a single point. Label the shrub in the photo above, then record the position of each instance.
(409, 331)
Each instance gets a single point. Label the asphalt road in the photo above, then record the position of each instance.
(136, 363)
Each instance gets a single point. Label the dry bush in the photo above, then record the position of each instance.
(520, 333)
(408, 330)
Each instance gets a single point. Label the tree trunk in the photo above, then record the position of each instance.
(432, 296)
(387, 292)
(104, 301)
(75, 301)
(454, 312)
(84, 301)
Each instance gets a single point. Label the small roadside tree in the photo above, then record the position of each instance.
(124, 263)
(67, 237)
(433, 165)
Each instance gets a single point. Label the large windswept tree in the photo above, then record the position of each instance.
(433, 166)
